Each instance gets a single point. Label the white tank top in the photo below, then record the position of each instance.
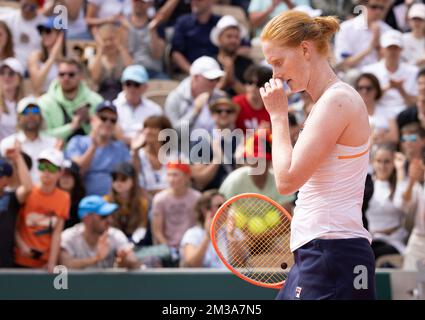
(329, 205)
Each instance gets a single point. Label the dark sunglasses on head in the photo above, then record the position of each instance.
(50, 167)
(31, 110)
(69, 74)
(376, 7)
(111, 120)
(132, 84)
(225, 111)
(7, 73)
(409, 138)
(365, 88)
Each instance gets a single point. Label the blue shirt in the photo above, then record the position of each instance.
(98, 178)
(192, 39)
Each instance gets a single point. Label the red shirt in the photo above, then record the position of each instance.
(248, 117)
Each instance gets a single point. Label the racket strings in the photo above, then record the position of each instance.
(253, 237)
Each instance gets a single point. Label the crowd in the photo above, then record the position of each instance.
(84, 181)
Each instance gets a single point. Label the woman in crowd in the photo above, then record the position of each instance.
(6, 42)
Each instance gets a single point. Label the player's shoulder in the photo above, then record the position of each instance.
(342, 97)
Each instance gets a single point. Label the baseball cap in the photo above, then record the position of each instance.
(136, 73)
(314, 13)
(207, 67)
(13, 64)
(391, 38)
(95, 205)
(52, 155)
(25, 103)
(6, 170)
(253, 149)
(417, 10)
(224, 23)
(108, 105)
(124, 168)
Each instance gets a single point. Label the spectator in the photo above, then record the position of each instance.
(133, 109)
(246, 180)
(32, 140)
(71, 182)
(227, 36)
(77, 27)
(397, 14)
(415, 113)
(412, 140)
(357, 42)
(252, 113)
(397, 79)
(261, 11)
(414, 41)
(69, 102)
(146, 40)
(414, 201)
(111, 58)
(145, 150)
(167, 11)
(6, 42)
(11, 91)
(42, 216)
(9, 204)
(22, 24)
(100, 12)
(219, 162)
(302, 108)
(385, 212)
(173, 208)
(43, 63)
(93, 243)
(132, 215)
(384, 129)
(191, 39)
(196, 248)
(98, 153)
(187, 105)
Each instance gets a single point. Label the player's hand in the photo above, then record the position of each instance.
(274, 97)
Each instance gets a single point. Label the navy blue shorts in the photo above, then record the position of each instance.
(342, 269)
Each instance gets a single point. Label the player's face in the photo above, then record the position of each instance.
(383, 164)
(289, 64)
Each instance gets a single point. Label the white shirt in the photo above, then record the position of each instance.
(413, 48)
(8, 121)
(31, 148)
(392, 101)
(109, 8)
(26, 38)
(149, 178)
(131, 118)
(355, 37)
(194, 237)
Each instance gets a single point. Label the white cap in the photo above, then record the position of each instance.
(309, 10)
(54, 156)
(207, 67)
(13, 64)
(391, 38)
(25, 102)
(417, 10)
(224, 23)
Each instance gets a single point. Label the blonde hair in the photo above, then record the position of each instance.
(292, 27)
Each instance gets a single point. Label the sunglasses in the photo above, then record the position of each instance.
(105, 119)
(132, 84)
(225, 111)
(103, 218)
(409, 138)
(365, 88)
(69, 74)
(7, 73)
(50, 167)
(44, 30)
(253, 83)
(376, 7)
(120, 178)
(31, 110)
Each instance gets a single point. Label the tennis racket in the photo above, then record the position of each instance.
(250, 233)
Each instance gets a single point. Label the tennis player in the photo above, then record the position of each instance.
(328, 164)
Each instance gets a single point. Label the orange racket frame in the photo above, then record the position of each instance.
(214, 223)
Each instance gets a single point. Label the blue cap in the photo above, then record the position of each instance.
(95, 205)
(108, 105)
(49, 23)
(5, 168)
(136, 73)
